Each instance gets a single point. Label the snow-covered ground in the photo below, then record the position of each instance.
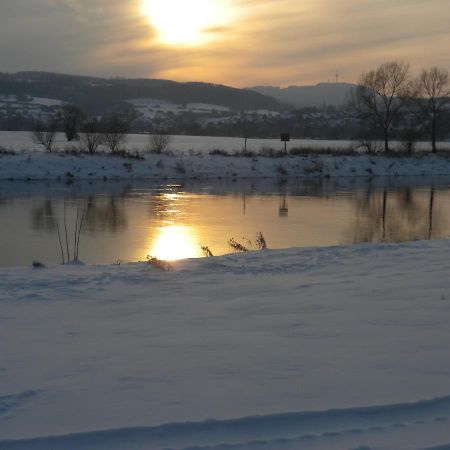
(21, 141)
(290, 349)
(189, 158)
(45, 166)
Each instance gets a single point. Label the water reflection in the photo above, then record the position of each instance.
(406, 214)
(102, 213)
(43, 216)
(175, 242)
(170, 222)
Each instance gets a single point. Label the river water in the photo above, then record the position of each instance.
(128, 221)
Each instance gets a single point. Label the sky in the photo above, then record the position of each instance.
(235, 42)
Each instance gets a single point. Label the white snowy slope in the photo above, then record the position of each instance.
(46, 166)
(188, 158)
(332, 348)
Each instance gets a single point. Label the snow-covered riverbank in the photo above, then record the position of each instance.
(333, 329)
(44, 166)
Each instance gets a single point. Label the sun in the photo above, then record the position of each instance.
(186, 22)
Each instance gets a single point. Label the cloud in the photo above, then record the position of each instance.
(269, 42)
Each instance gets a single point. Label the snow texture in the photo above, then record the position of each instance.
(332, 348)
(189, 159)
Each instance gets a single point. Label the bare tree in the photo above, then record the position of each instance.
(432, 100)
(115, 132)
(92, 136)
(409, 137)
(380, 96)
(70, 117)
(44, 133)
(368, 136)
(159, 140)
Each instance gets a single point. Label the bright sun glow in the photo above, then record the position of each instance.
(175, 242)
(186, 22)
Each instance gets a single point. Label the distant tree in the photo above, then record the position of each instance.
(408, 137)
(159, 140)
(91, 136)
(115, 132)
(243, 124)
(432, 99)
(44, 133)
(70, 117)
(380, 96)
(368, 136)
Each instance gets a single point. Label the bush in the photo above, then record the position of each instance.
(115, 131)
(207, 252)
(159, 264)
(218, 152)
(260, 243)
(44, 134)
(159, 141)
(92, 136)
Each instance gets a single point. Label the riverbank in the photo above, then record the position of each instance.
(150, 166)
(230, 338)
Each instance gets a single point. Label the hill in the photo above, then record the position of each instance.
(97, 95)
(335, 94)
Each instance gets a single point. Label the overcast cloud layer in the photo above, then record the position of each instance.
(276, 42)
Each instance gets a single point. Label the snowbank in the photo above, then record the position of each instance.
(247, 340)
(189, 158)
(44, 166)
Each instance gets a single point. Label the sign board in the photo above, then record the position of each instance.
(285, 137)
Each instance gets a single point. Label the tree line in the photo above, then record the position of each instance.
(110, 131)
(390, 96)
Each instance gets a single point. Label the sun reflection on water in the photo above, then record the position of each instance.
(174, 242)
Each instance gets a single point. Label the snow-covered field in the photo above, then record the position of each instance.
(21, 141)
(189, 158)
(290, 349)
(45, 166)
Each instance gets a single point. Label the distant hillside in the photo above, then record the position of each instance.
(335, 94)
(97, 95)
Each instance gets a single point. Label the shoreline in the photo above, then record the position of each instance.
(38, 166)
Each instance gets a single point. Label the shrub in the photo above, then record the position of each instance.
(92, 136)
(159, 264)
(115, 132)
(207, 252)
(237, 246)
(260, 241)
(159, 141)
(218, 152)
(44, 134)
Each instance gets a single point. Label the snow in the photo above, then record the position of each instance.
(150, 108)
(46, 101)
(206, 107)
(331, 348)
(21, 141)
(44, 166)
(188, 157)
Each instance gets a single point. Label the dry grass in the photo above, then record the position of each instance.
(159, 264)
(207, 253)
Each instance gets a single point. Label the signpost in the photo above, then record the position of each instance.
(285, 137)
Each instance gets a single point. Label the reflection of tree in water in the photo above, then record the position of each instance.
(102, 213)
(105, 214)
(283, 210)
(404, 215)
(43, 216)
